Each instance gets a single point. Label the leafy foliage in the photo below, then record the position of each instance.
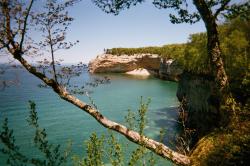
(116, 156)
(107, 146)
(166, 51)
(51, 152)
(195, 56)
(137, 121)
(114, 6)
(15, 157)
(235, 46)
(184, 13)
(94, 151)
(226, 146)
(242, 10)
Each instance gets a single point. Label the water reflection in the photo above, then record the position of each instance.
(167, 119)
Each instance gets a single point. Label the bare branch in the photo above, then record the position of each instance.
(25, 24)
(157, 147)
(222, 7)
(6, 13)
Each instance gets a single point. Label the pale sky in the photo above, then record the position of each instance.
(142, 25)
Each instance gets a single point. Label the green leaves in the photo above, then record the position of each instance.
(33, 119)
(166, 51)
(15, 157)
(52, 153)
(116, 155)
(240, 9)
(137, 121)
(95, 151)
(115, 6)
(130, 119)
(181, 7)
(108, 148)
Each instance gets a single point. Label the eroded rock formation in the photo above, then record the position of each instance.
(112, 63)
(170, 69)
(164, 68)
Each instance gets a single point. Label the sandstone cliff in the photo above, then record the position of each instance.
(164, 68)
(170, 69)
(112, 63)
(201, 103)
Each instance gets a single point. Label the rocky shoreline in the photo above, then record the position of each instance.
(163, 68)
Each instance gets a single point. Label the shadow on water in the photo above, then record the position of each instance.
(168, 121)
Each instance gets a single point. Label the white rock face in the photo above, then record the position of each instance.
(138, 64)
(139, 72)
(170, 69)
(124, 63)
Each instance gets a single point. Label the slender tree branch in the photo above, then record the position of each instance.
(204, 11)
(6, 12)
(157, 147)
(25, 24)
(222, 7)
(2, 43)
(52, 54)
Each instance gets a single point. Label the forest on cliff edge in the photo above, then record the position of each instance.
(234, 37)
(235, 44)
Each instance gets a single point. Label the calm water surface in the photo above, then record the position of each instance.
(64, 122)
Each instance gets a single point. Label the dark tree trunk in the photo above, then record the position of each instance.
(206, 94)
(213, 45)
(215, 55)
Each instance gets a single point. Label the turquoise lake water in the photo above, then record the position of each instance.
(64, 122)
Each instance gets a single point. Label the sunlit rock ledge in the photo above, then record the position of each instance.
(124, 63)
(139, 72)
(138, 64)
